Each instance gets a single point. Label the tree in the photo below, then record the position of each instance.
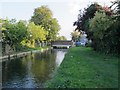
(75, 35)
(83, 18)
(105, 33)
(100, 25)
(37, 32)
(14, 33)
(54, 29)
(118, 7)
(61, 38)
(116, 28)
(43, 16)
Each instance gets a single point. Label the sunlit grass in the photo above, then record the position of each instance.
(25, 48)
(84, 68)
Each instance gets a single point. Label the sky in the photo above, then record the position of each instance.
(65, 11)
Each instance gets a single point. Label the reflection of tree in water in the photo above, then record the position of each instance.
(13, 68)
(44, 66)
(30, 71)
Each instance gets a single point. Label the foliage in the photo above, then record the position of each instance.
(37, 32)
(61, 38)
(101, 25)
(37, 35)
(106, 32)
(43, 27)
(83, 18)
(76, 35)
(116, 28)
(14, 33)
(43, 16)
(54, 29)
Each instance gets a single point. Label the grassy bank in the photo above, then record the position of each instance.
(36, 48)
(84, 68)
(26, 49)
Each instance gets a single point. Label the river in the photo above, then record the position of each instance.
(31, 71)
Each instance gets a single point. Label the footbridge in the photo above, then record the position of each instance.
(62, 44)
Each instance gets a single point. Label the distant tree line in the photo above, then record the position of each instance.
(102, 26)
(41, 28)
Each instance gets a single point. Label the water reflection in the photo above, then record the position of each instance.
(31, 71)
(59, 56)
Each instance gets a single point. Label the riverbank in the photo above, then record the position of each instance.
(23, 53)
(84, 68)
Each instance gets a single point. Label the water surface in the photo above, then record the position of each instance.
(31, 71)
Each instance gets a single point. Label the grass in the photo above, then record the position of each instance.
(84, 68)
(25, 49)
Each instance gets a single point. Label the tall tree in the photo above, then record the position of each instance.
(83, 18)
(100, 25)
(54, 29)
(106, 33)
(117, 27)
(42, 16)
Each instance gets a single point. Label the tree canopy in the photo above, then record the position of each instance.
(101, 25)
(43, 16)
(37, 32)
(14, 33)
(61, 38)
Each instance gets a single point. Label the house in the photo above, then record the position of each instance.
(83, 39)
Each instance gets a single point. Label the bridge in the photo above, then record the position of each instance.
(62, 44)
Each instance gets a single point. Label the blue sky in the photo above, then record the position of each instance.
(65, 11)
